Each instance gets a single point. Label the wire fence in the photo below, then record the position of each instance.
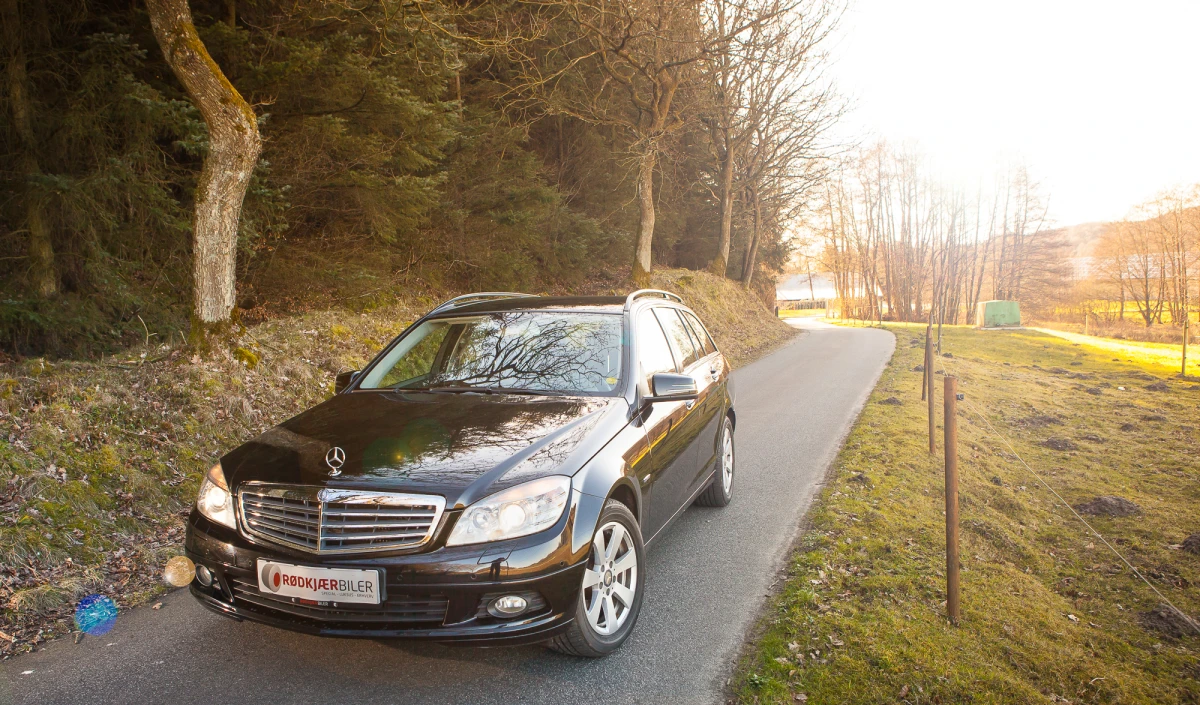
(947, 370)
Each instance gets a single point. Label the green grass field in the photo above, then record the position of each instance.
(802, 313)
(1162, 355)
(1049, 614)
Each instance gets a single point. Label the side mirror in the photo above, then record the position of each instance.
(672, 387)
(343, 380)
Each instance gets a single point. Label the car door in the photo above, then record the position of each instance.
(681, 479)
(659, 419)
(709, 373)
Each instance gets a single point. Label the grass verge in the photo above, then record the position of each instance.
(803, 313)
(1129, 328)
(1166, 355)
(1049, 615)
(100, 462)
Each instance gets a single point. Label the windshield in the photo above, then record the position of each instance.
(516, 351)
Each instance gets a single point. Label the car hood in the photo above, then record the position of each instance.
(460, 446)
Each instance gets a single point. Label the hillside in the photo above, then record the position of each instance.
(1080, 240)
(400, 147)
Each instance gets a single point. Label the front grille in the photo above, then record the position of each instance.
(295, 521)
(338, 521)
(396, 608)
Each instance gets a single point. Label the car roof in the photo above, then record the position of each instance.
(591, 304)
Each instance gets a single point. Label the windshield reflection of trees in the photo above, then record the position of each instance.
(539, 352)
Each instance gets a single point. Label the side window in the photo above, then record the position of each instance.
(416, 359)
(677, 333)
(699, 346)
(654, 355)
(701, 334)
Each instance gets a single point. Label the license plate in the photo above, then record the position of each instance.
(319, 585)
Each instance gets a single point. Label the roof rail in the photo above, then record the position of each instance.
(479, 296)
(650, 292)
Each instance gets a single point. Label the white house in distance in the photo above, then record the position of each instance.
(805, 291)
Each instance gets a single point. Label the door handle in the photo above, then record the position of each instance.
(689, 404)
(716, 374)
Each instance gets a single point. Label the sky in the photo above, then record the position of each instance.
(1100, 99)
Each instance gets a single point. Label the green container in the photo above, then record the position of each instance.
(994, 314)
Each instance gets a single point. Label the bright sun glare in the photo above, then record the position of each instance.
(1097, 98)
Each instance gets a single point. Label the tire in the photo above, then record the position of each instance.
(720, 491)
(586, 637)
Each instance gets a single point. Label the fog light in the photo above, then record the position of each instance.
(204, 575)
(507, 606)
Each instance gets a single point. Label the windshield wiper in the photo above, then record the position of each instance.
(529, 392)
(483, 390)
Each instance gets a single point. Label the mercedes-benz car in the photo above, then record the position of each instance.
(493, 476)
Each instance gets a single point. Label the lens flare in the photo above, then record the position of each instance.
(179, 571)
(95, 615)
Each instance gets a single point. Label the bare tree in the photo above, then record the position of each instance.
(925, 248)
(789, 109)
(732, 113)
(1176, 220)
(1175, 216)
(1143, 267)
(233, 150)
(622, 63)
(1021, 256)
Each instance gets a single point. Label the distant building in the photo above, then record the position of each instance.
(812, 290)
(1082, 268)
(816, 290)
(1150, 266)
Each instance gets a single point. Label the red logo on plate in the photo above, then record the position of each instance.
(270, 577)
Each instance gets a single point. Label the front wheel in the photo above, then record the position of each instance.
(720, 491)
(610, 597)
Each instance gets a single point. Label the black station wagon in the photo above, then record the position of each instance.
(492, 476)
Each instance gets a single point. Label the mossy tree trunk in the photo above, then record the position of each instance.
(234, 145)
(645, 237)
(657, 114)
(752, 242)
(721, 262)
(42, 274)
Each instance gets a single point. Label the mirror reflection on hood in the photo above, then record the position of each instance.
(428, 442)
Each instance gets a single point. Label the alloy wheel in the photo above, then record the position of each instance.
(610, 583)
(727, 460)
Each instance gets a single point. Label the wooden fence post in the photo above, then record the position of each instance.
(925, 367)
(1186, 323)
(951, 442)
(929, 392)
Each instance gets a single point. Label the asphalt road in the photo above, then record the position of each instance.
(708, 578)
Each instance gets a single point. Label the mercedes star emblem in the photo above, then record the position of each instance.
(334, 459)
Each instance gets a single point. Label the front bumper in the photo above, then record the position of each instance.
(438, 595)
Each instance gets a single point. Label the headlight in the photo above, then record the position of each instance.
(517, 511)
(215, 501)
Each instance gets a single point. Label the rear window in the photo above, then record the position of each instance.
(701, 333)
(677, 333)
